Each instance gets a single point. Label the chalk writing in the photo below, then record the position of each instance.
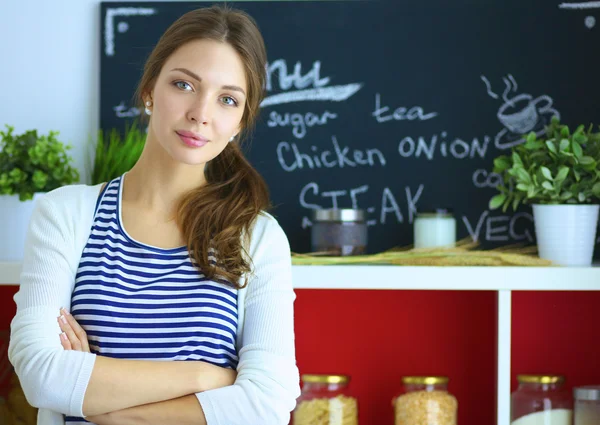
(483, 178)
(319, 92)
(299, 122)
(312, 197)
(456, 148)
(291, 158)
(109, 24)
(123, 111)
(401, 113)
(590, 21)
(500, 228)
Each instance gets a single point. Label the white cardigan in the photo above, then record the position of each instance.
(55, 380)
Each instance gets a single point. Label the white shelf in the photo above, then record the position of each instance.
(448, 278)
(423, 278)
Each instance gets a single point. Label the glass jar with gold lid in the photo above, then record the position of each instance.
(541, 399)
(425, 400)
(326, 400)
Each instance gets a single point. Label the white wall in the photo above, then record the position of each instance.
(49, 69)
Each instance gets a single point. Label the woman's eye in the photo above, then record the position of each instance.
(182, 85)
(228, 100)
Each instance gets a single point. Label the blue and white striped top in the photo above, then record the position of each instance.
(141, 302)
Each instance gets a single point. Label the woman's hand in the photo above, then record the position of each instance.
(73, 337)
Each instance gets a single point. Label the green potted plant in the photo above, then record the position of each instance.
(559, 175)
(114, 154)
(30, 165)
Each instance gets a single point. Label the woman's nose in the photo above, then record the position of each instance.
(200, 111)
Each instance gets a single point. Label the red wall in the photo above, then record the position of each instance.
(379, 336)
(7, 311)
(557, 332)
(7, 306)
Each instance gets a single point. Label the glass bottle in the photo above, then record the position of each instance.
(339, 232)
(587, 405)
(541, 399)
(325, 400)
(425, 400)
(435, 228)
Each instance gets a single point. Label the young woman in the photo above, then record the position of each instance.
(175, 260)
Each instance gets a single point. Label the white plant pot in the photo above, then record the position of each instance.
(14, 221)
(566, 234)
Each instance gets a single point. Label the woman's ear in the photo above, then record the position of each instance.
(147, 96)
(148, 103)
(238, 132)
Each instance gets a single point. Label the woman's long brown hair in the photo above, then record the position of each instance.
(216, 215)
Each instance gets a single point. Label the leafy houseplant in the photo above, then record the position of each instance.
(30, 166)
(560, 176)
(562, 168)
(32, 163)
(116, 154)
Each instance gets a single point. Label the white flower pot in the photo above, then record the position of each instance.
(14, 221)
(566, 234)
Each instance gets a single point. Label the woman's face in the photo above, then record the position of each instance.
(198, 101)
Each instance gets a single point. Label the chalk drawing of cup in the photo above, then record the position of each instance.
(521, 114)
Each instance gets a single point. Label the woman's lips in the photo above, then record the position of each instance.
(192, 142)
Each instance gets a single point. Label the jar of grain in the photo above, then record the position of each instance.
(425, 400)
(325, 400)
(541, 399)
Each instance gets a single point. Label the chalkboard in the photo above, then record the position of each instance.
(390, 106)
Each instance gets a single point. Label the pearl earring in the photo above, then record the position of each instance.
(232, 137)
(147, 109)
